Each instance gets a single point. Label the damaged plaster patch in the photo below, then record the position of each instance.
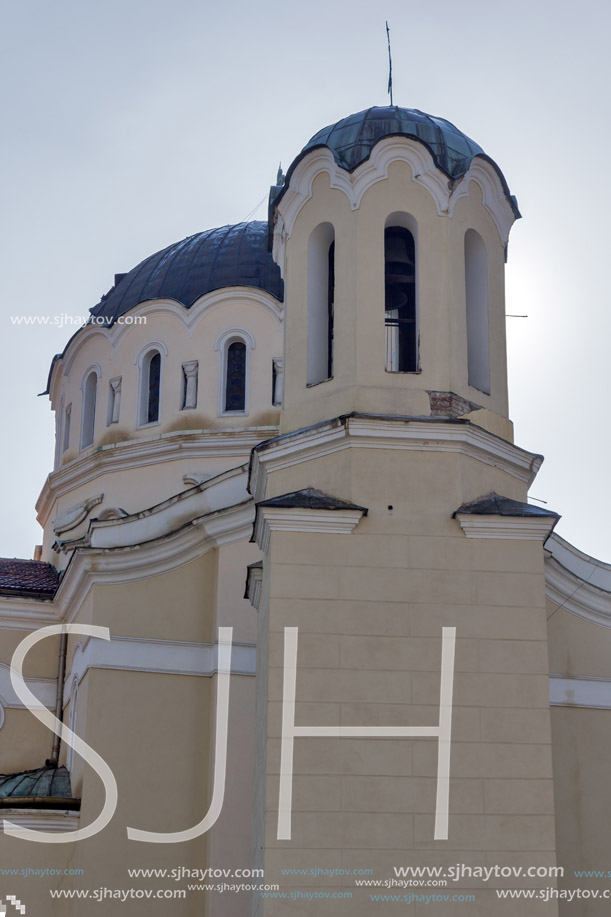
(448, 404)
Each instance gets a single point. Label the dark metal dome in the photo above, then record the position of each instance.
(352, 139)
(230, 256)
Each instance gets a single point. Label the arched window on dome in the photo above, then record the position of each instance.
(401, 295)
(150, 361)
(90, 394)
(234, 347)
(321, 300)
(72, 721)
(59, 428)
(67, 422)
(476, 291)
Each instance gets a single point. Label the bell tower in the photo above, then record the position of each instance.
(391, 232)
(402, 669)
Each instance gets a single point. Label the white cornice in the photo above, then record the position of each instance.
(90, 566)
(141, 453)
(26, 614)
(583, 565)
(390, 433)
(580, 691)
(493, 195)
(443, 190)
(284, 519)
(41, 819)
(575, 595)
(254, 586)
(525, 528)
(172, 542)
(45, 689)
(161, 657)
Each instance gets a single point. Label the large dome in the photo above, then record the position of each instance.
(230, 256)
(352, 139)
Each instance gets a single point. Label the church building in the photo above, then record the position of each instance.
(292, 606)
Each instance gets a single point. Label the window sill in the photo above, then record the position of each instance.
(320, 382)
(404, 372)
(145, 426)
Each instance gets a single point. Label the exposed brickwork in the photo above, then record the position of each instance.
(447, 404)
(27, 578)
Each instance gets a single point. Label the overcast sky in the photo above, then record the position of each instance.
(130, 124)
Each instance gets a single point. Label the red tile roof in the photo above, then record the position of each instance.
(32, 578)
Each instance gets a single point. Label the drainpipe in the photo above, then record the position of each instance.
(59, 701)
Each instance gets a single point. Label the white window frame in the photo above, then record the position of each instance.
(222, 345)
(143, 364)
(93, 369)
(404, 220)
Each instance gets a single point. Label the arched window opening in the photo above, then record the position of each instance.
(90, 391)
(235, 382)
(59, 427)
(321, 303)
(400, 308)
(72, 723)
(476, 290)
(150, 388)
(67, 419)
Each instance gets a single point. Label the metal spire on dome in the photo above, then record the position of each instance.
(389, 90)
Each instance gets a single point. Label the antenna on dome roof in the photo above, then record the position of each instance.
(389, 90)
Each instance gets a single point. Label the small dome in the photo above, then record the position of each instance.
(230, 256)
(352, 139)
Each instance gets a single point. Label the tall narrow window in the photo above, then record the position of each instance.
(90, 391)
(154, 379)
(235, 384)
(67, 419)
(150, 387)
(59, 426)
(400, 300)
(476, 290)
(321, 303)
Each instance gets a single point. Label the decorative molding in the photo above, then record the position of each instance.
(45, 689)
(584, 566)
(372, 432)
(580, 691)
(493, 195)
(190, 374)
(195, 478)
(283, 519)
(254, 584)
(160, 657)
(189, 318)
(27, 614)
(124, 564)
(443, 190)
(575, 595)
(511, 527)
(113, 512)
(41, 819)
(114, 400)
(198, 445)
(221, 493)
(2, 715)
(73, 517)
